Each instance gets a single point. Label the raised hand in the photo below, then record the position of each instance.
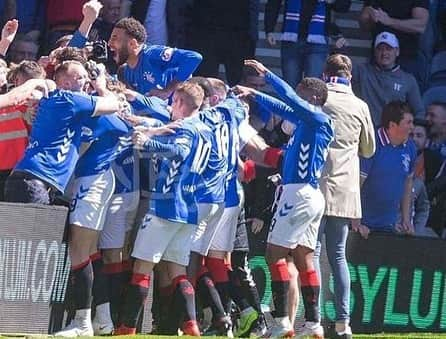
(91, 10)
(258, 66)
(243, 92)
(10, 30)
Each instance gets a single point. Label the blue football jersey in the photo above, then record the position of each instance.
(184, 157)
(211, 188)
(158, 65)
(126, 166)
(53, 148)
(150, 106)
(307, 149)
(235, 113)
(104, 133)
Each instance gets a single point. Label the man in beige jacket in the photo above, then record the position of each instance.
(339, 183)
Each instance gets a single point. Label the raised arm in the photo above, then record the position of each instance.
(90, 11)
(175, 145)
(276, 106)
(268, 102)
(8, 34)
(24, 92)
(302, 109)
(415, 24)
(153, 106)
(185, 61)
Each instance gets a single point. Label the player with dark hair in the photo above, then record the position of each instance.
(155, 69)
(301, 205)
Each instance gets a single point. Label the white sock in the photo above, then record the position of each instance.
(83, 317)
(103, 314)
(312, 324)
(283, 321)
(342, 327)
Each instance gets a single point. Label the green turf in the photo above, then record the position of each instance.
(356, 336)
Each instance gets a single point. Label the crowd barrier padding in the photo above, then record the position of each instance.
(33, 265)
(398, 284)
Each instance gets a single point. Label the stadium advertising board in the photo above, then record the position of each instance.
(398, 284)
(33, 266)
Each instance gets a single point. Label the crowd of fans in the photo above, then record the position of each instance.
(96, 110)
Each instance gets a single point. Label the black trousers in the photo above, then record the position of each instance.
(26, 188)
(222, 47)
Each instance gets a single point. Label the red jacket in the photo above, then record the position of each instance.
(13, 135)
(64, 12)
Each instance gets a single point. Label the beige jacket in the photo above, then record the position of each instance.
(353, 135)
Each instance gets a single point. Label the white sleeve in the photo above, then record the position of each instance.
(246, 132)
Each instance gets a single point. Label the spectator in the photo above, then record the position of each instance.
(164, 20)
(24, 71)
(440, 25)
(436, 119)
(109, 15)
(339, 182)
(23, 48)
(3, 76)
(387, 177)
(420, 199)
(437, 196)
(382, 80)
(407, 20)
(221, 32)
(304, 37)
(31, 15)
(63, 17)
(154, 69)
(18, 75)
(13, 125)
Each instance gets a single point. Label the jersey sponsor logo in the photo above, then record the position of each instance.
(86, 131)
(173, 171)
(65, 147)
(304, 155)
(397, 87)
(189, 188)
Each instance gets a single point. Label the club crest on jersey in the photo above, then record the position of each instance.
(405, 161)
(167, 54)
(86, 131)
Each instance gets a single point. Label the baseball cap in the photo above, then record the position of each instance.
(387, 38)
